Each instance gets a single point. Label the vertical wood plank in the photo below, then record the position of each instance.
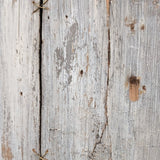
(74, 80)
(135, 126)
(19, 80)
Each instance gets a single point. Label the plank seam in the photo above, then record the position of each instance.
(40, 75)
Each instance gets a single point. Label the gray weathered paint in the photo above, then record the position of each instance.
(135, 45)
(19, 80)
(89, 51)
(75, 66)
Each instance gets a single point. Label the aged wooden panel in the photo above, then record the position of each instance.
(74, 80)
(19, 80)
(134, 122)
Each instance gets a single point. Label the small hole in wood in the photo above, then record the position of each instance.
(81, 72)
(144, 88)
(21, 93)
(48, 17)
(66, 16)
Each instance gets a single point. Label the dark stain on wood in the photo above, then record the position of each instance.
(109, 49)
(134, 88)
(144, 88)
(81, 72)
(142, 27)
(130, 23)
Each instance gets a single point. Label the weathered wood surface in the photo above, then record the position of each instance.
(74, 113)
(91, 108)
(19, 80)
(135, 45)
(74, 72)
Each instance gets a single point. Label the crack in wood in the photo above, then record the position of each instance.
(40, 76)
(106, 97)
(99, 142)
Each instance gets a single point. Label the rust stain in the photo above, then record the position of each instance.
(108, 7)
(144, 88)
(108, 11)
(142, 27)
(87, 63)
(6, 152)
(134, 88)
(130, 23)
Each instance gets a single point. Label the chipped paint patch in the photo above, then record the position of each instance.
(59, 56)
(70, 52)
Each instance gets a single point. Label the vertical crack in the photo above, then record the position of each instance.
(40, 75)
(106, 96)
(108, 3)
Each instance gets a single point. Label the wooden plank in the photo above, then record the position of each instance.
(74, 80)
(134, 120)
(19, 80)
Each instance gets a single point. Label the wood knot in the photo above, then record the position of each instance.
(134, 88)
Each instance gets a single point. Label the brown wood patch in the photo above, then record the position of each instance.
(6, 152)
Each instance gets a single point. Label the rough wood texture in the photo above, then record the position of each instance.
(74, 71)
(135, 45)
(19, 80)
(100, 80)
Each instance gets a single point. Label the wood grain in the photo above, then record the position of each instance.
(75, 71)
(134, 126)
(19, 80)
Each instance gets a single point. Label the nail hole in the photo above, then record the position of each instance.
(66, 16)
(21, 93)
(81, 72)
(144, 88)
(48, 17)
